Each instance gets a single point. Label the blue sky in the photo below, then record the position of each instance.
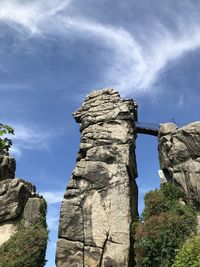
(53, 53)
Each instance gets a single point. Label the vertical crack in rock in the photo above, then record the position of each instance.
(83, 236)
(98, 198)
(103, 249)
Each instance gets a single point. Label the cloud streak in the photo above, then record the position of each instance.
(53, 197)
(53, 217)
(12, 87)
(29, 138)
(30, 15)
(135, 66)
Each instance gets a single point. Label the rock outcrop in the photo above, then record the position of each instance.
(20, 207)
(7, 167)
(14, 194)
(179, 154)
(101, 198)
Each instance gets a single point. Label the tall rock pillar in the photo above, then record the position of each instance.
(101, 198)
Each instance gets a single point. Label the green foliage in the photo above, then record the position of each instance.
(161, 200)
(5, 143)
(172, 193)
(189, 254)
(27, 247)
(154, 204)
(43, 211)
(165, 225)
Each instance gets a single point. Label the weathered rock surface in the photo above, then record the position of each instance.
(32, 210)
(179, 154)
(19, 202)
(14, 194)
(7, 229)
(7, 167)
(101, 197)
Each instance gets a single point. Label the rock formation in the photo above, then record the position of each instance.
(179, 154)
(101, 198)
(20, 205)
(7, 167)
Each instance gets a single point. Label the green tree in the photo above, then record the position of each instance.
(164, 226)
(5, 142)
(189, 254)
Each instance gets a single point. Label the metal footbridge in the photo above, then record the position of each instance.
(147, 128)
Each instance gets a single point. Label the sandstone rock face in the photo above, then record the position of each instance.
(101, 197)
(7, 167)
(7, 229)
(179, 153)
(32, 210)
(14, 194)
(19, 202)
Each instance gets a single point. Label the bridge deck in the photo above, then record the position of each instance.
(147, 128)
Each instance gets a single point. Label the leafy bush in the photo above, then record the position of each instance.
(164, 226)
(5, 143)
(189, 254)
(154, 204)
(161, 200)
(26, 248)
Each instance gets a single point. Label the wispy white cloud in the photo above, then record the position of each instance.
(52, 222)
(15, 151)
(126, 54)
(134, 66)
(53, 216)
(53, 197)
(29, 138)
(30, 15)
(13, 87)
(181, 101)
(25, 14)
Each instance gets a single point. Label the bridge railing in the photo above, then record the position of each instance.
(148, 126)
